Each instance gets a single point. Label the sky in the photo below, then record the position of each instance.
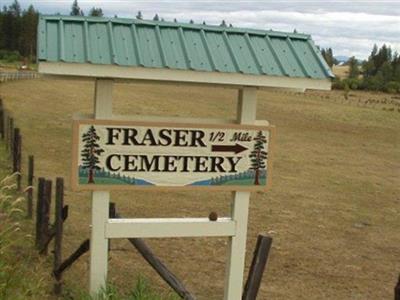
(350, 28)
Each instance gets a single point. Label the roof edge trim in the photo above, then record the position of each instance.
(182, 76)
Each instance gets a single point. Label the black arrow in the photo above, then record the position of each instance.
(228, 148)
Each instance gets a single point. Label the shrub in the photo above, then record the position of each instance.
(374, 83)
(20, 277)
(9, 215)
(337, 84)
(9, 56)
(392, 87)
(352, 83)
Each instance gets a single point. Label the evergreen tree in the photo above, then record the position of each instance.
(223, 24)
(396, 68)
(1, 30)
(368, 68)
(374, 50)
(139, 15)
(327, 54)
(382, 70)
(387, 71)
(15, 8)
(28, 34)
(191, 22)
(353, 67)
(96, 12)
(90, 152)
(258, 156)
(75, 9)
(11, 26)
(156, 18)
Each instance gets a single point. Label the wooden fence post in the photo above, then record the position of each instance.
(14, 148)
(16, 156)
(112, 211)
(5, 127)
(39, 211)
(46, 217)
(31, 166)
(58, 226)
(10, 134)
(112, 214)
(1, 119)
(260, 258)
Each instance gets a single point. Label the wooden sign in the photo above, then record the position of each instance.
(121, 155)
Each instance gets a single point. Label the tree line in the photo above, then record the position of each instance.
(18, 30)
(380, 72)
(327, 54)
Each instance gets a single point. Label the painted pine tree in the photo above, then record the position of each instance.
(258, 156)
(90, 152)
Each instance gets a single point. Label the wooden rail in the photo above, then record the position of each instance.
(82, 249)
(158, 265)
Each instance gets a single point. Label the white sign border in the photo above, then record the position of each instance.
(75, 141)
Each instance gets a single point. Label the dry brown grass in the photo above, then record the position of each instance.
(333, 209)
(341, 71)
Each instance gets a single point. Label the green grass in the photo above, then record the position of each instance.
(20, 277)
(247, 182)
(141, 291)
(26, 275)
(101, 180)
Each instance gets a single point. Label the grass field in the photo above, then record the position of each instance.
(244, 182)
(100, 180)
(341, 71)
(333, 209)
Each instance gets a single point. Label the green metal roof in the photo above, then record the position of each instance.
(155, 44)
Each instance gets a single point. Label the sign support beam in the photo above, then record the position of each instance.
(169, 227)
(234, 227)
(100, 199)
(246, 114)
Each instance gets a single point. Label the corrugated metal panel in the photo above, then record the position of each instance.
(132, 42)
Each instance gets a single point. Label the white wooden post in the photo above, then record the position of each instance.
(100, 199)
(246, 114)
